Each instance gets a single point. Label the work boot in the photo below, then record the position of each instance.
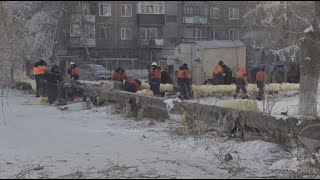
(235, 96)
(246, 96)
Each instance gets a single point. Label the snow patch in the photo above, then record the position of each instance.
(170, 104)
(286, 164)
(309, 29)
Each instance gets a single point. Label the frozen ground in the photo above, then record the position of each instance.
(42, 141)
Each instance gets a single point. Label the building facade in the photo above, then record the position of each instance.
(133, 34)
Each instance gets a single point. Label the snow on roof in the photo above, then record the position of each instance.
(219, 44)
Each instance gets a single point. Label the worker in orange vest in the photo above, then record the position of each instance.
(119, 74)
(184, 78)
(241, 82)
(39, 70)
(155, 78)
(74, 71)
(217, 74)
(261, 78)
(132, 85)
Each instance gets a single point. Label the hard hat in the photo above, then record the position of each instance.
(71, 63)
(154, 64)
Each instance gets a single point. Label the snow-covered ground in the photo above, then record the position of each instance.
(287, 102)
(101, 143)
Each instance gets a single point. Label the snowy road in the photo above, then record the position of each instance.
(100, 143)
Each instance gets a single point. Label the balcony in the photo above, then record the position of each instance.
(195, 20)
(147, 19)
(75, 42)
(151, 43)
(84, 18)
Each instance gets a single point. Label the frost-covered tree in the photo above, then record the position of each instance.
(281, 25)
(29, 31)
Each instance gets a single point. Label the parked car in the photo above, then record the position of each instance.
(94, 72)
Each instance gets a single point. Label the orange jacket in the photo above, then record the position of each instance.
(184, 74)
(242, 73)
(155, 73)
(217, 69)
(39, 70)
(261, 76)
(119, 76)
(134, 82)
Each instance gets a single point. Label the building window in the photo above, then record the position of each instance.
(89, 30)
(86, 9)
(213, 35)
(104, 33)
(194, 10)
(148, 33)
(126, 10)
(105, 9)
(233, 34)
(171, 18)
(215, 12)
(75, 30)
(171, 41)
(234, 13)
(151, 7)
(188, 10)
(194, 32)
(126, 34)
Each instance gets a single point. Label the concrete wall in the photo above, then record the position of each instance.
(279, 129)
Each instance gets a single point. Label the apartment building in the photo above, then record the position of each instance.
(135, 33)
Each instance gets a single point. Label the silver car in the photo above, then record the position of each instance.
(94, 72)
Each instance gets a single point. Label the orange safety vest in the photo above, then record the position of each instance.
(115, 76)
(241, 73)
(184, 74)
(75, 71)
(181, 74)
(261, 76)
(217, 69)
(155, 73)
(39, 70)
(134, 82)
